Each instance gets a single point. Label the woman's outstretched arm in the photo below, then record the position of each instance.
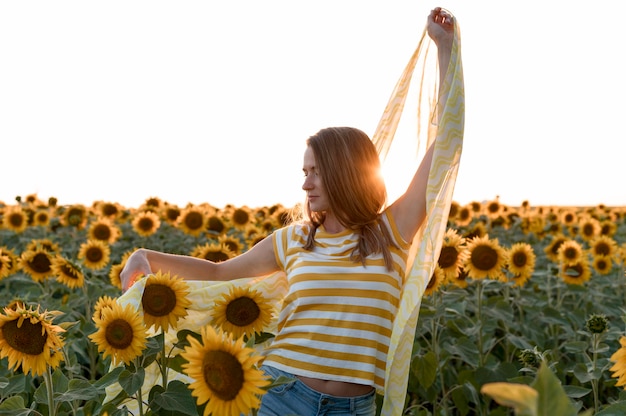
(258, 261)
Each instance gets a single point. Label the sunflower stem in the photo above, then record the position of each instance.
(479, 298)
(164, 359)
(50, 391)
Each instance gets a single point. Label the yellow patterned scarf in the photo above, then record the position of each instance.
(447, 132)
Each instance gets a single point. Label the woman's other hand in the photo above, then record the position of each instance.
(136, 266)
(440, 27)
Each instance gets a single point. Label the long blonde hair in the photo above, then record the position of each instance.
(350, 172)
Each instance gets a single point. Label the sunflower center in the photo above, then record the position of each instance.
(119, 334)
(519, 259)
(588, 230)
(484, 257)
(69, 271)
(216, 256)
(16, 220)
(242, 311)
(240, 216)
(102, 232)
(194, 220)
(27, 338)
(215, 224)
(145, 224)
(223, 374)
(94, 254)
(570, 253)
(40, 263)
(448, 257)
(602, 249)
(158, 300)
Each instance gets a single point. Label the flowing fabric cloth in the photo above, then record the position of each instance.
(445, 129)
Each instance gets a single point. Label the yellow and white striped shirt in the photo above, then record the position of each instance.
(337, 318)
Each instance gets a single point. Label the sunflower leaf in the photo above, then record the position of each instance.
(132, 382)
(182, 338)
(177, 399)
(78, 390)
(108, 379)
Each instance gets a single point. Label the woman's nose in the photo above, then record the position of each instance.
(307, 184)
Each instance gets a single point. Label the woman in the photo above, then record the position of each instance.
(345, 264)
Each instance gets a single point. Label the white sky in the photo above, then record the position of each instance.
(207, 101)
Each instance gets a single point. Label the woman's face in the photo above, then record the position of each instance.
(315, 191)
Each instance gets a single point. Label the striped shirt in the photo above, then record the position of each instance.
(337, 317)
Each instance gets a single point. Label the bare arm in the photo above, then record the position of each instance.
(409, 211)
(258, 261)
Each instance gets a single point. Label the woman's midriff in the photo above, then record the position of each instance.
(336, 388)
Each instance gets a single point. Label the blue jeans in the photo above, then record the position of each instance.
(297, 399)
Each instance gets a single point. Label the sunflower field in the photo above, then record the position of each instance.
(525, 312)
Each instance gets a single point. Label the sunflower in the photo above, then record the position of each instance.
(570, 252)
(241, 217)
(568, 217)
(146, 223)
(95, 254)
(233, 243)
(29, 339)
(15, 219)
(242, 311)
(102, 303)
(67, 272)
(453, 254)
(225, 374)
(464, 216)
(486, 258)
(589, 228)
(619, 366)
(436, 280)
(110, 210)
(164, 300)
(478, 230)
(552, 249)
(602, 264)
(41, 218)
(8, 262)
(608, 228)
(213, 252)
(493, 209)
(192, 220)
(103, 230)
(37, 263)
(216, 224)
(120, 333)
(45, 244)
(75, 216)
(603, 245)
(576, 273)
(170, 214)
(521, 262)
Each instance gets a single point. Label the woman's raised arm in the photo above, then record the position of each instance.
(409, 211)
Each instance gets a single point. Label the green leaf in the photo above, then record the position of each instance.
(108, 379)
(78, 390)
(176, 363)
(617, 409)
(576, 392)
(177, 398)
(552, 399)
(425, 368)
(12, 403)
(131, 382)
